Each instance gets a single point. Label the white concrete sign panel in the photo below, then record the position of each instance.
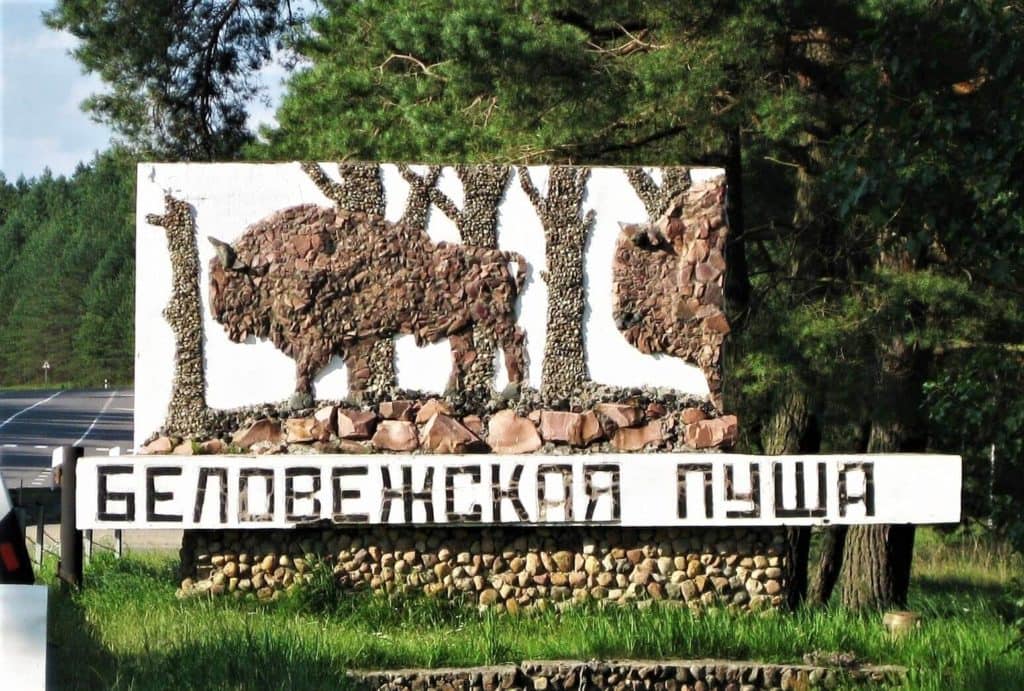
(641, 490)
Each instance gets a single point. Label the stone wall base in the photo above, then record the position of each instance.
(675, 675)
(503, 567)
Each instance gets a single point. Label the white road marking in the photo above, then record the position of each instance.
(106, 405)
(39, 446)
(10, 446)
(25, 410)
(103, 448)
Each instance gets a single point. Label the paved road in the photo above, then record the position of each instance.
(33, 423)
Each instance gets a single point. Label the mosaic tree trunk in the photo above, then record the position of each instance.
(656, 198)
(565, 231)
(417, 207)
(483, 187)
(362, 190)
(187, 413)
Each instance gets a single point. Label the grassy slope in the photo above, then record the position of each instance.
(127, 630)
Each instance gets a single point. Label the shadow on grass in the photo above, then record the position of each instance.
(259, 659)
(1001, 672)
(75, 657)
(951, 585)
(80, 658)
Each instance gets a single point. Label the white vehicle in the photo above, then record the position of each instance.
(22, 607)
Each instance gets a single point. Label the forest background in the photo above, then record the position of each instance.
(873, 152)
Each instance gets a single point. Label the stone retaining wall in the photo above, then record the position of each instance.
(673, 675)
(503, 567)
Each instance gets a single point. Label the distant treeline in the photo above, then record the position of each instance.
(67, 274)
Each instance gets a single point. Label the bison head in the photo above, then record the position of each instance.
(235, 299)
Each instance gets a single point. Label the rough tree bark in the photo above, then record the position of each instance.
(830, 556)
(830, 562)
(737, 275)
(877, 558)
(792, 428)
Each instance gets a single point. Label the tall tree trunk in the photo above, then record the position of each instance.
(737, 278)
(187, 414)
(830, 556)
(830, 561)
(792, 428)
(877, 558)
(868, 569)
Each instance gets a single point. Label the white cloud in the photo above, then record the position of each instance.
(42, 87)
(49, 151)
(45, 41)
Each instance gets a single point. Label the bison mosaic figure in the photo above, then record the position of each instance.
(668, 279)
(322, 282)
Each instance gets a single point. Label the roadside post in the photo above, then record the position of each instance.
(46, 372)
(69, 569)
(40, 533)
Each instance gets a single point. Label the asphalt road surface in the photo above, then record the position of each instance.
(33, 423)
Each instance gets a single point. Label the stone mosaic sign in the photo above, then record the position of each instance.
(647, 491)
(495, 381)
(548, 287)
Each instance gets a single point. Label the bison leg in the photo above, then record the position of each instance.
(313, 358)
(357, 361)
(708, 359)
(463, 355)
(513, 342)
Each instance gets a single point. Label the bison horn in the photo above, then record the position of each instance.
(226, 254)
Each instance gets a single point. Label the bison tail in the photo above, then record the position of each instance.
(521, 266)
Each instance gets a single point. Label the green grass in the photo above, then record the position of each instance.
(126, 629)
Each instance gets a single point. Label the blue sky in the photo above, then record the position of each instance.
(41, 89)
